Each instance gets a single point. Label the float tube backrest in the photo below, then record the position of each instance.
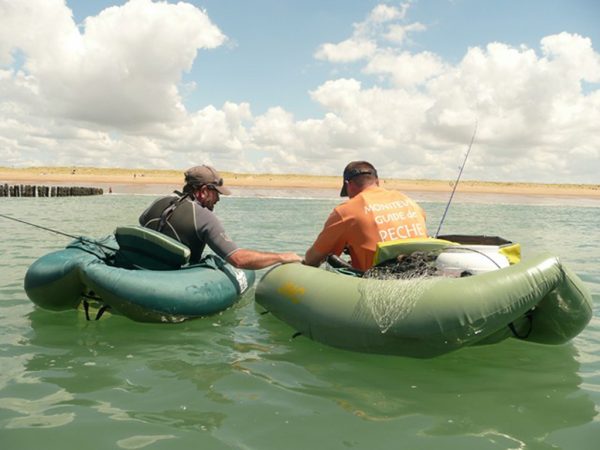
(511, 250)
(143, 248)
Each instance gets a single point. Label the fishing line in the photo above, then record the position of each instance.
(456, 182)
(51, 230)
(39, 226)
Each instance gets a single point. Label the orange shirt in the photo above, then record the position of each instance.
(375, 215)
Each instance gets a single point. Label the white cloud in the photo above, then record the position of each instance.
(123, 70)
(573, 53)
(385, 13)
(404, 68)
(221, 131)
(349, 50)
(398, 33)
(363, 43)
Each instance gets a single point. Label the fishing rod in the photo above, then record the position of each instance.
(456, 182)
(56, 231)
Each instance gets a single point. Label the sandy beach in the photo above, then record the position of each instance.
(143, 177)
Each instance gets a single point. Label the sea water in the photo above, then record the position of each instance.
(238, 380)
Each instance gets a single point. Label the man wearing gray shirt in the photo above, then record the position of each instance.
(188, 217)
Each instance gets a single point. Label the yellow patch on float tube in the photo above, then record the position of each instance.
(291, 291)
(512, 252)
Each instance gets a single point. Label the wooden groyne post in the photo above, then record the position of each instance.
(27, 190)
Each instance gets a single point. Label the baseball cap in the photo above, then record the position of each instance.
(354, 169)
(201, 175)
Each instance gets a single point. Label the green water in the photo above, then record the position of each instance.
(239, 381)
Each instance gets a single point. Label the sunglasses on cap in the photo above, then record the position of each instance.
(218, 183)
(218, 186)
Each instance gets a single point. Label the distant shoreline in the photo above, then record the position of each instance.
(142, 177)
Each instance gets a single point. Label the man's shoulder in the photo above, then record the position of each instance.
(166, 198)
(202, 213)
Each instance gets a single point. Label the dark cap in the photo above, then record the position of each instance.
(354, 169)
(205, 175)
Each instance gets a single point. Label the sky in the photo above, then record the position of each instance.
(305, 86)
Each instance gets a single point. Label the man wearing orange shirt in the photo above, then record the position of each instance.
(372, 215)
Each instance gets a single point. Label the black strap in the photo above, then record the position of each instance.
(86, 308)
(102, 311)
(166, 214)
(529, 316)
(169, 210)
(86, 305)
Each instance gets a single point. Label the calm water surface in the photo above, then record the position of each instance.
(239, 381)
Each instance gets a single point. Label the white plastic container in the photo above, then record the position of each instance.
(466, 260)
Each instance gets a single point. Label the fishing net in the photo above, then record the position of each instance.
(406, 267)
(388, 302)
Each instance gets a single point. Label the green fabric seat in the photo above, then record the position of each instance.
(143, 248)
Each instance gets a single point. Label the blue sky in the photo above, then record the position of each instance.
(275, 86)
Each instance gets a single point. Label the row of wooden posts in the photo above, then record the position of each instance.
(20, 190)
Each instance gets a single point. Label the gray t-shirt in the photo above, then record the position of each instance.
(192, 225)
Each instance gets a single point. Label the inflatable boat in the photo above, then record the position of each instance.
(138, 273)
(481, 293)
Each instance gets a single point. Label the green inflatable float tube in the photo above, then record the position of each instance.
(138, 273)
(538, 300)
